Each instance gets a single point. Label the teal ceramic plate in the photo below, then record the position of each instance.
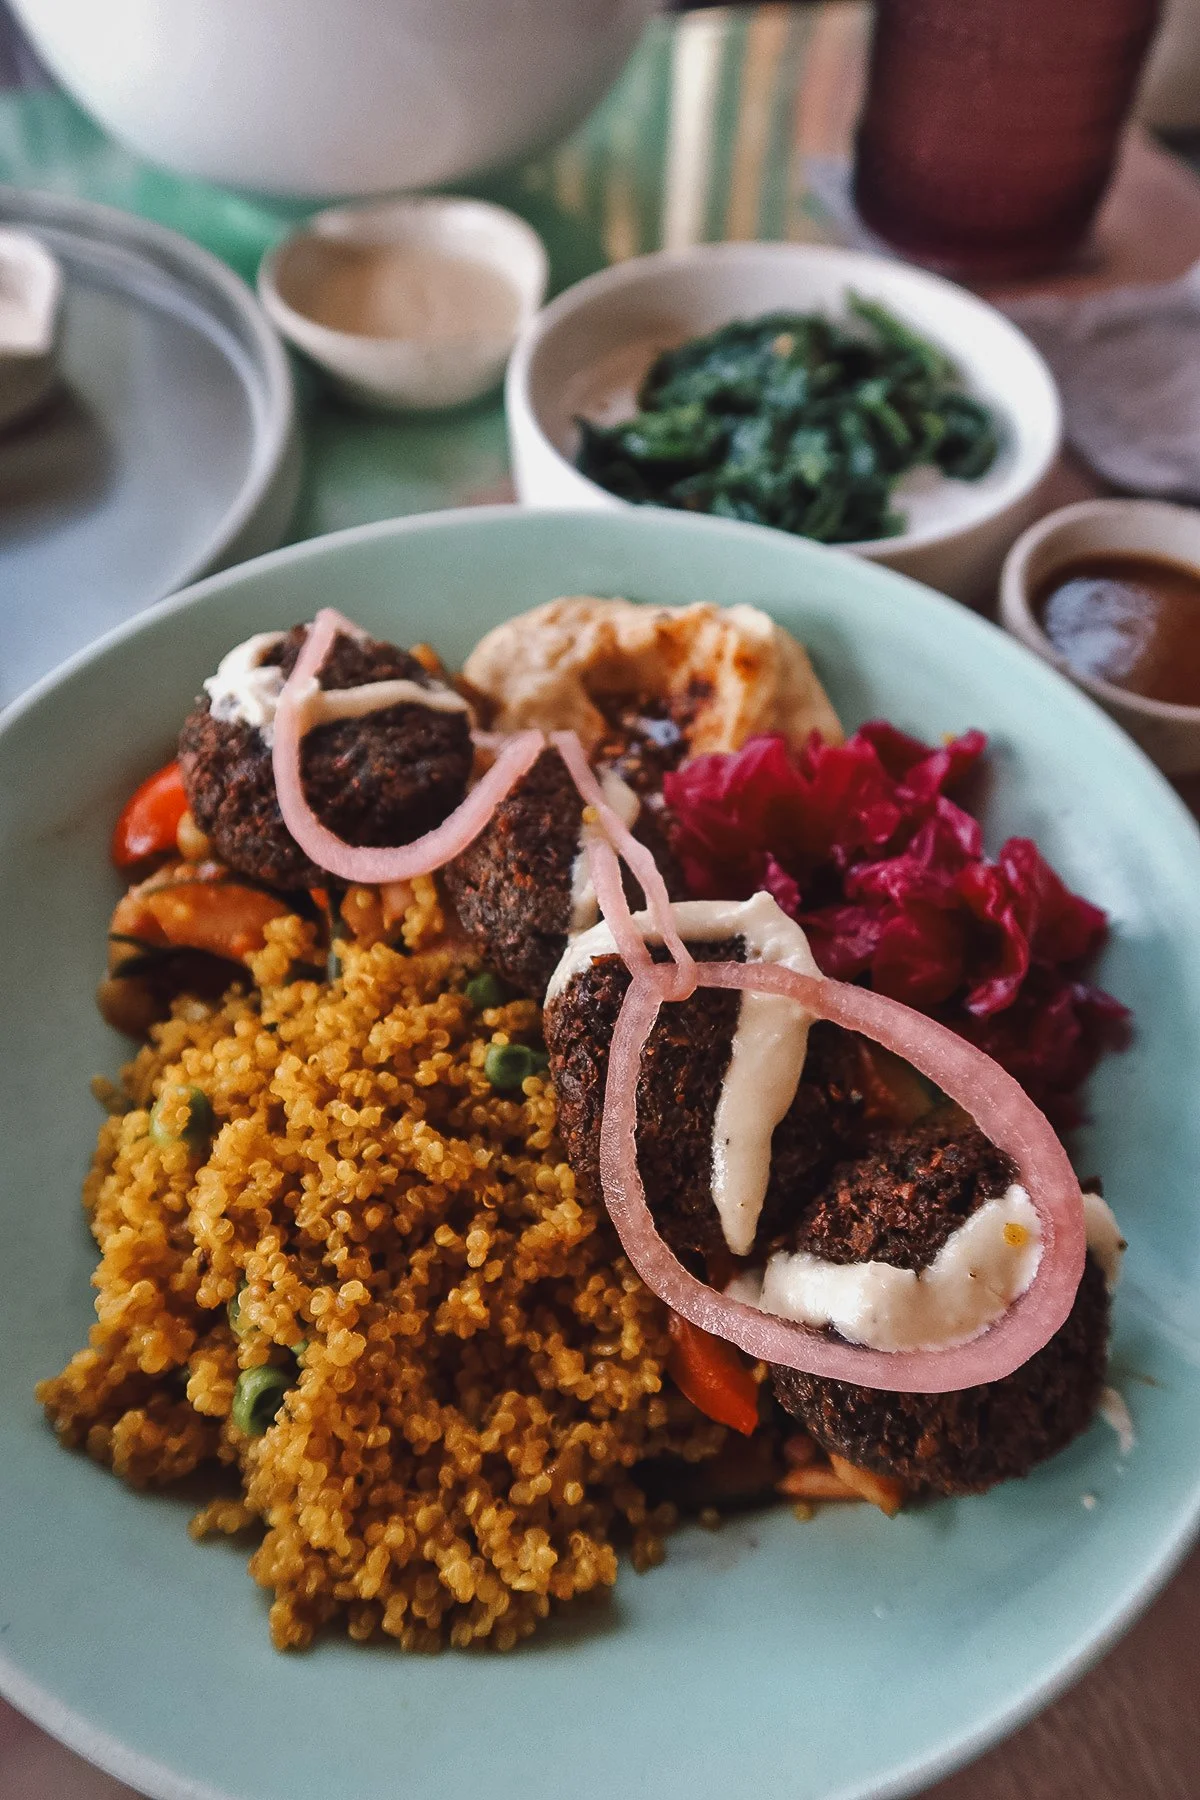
(850, 1656)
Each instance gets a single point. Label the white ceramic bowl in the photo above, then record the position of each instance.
(1169, 734)
(334, 97)
(586, 353)
(407, 373)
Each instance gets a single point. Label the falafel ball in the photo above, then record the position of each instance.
(683, 1068)
(511, 887)
(898, 1204)
(384, 778)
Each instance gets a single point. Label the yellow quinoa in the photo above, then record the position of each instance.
(479, 1372)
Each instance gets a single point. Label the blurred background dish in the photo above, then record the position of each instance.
(1170, 92)
(990, 130)
(727, 123)
(587, 352)
(168, 449)
(335, 97)
(411, 304)
(1128, 628)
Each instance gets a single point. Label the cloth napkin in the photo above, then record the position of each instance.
(1128, 364)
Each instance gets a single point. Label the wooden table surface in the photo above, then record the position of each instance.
(1130, 1730)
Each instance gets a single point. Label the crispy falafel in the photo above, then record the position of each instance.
(512, 887)
(899, 1203)
(683, 1068)
(381, 779)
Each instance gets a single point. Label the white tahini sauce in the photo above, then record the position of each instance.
(585, 909)
(321, 706)
(1113, 1410)
(1104, 1238)
(404, 291)
(767, 1055)
(983, 1266)
(245, 690)
(766, 1062)
(986, 1264)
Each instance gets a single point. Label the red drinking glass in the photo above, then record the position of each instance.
(990, 127)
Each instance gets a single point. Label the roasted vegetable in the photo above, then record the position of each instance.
(186, 929)
(194, 906)
(182, 1115)
(150, 819)
(507, 1066)
(793, 421)
(715, 1377)
(257, 1396)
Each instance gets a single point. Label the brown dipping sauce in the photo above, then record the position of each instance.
(1133, 621)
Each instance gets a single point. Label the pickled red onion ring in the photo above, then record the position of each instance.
(682, 978)
(605, 869)
(994, 1100)
(372, 863)
(343, 626)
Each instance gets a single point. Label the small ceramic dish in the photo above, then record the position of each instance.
(587, 352)
(330, 99)
(1168, 733)
(381, 297)
(31, 286)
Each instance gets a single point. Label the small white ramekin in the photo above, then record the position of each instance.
(404, 374)
(1169, 734)
(592, 345)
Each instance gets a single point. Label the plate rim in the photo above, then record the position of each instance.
(261, 509)
(71, 1726)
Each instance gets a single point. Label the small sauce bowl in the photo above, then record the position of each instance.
(412, 305)
(1168, 732)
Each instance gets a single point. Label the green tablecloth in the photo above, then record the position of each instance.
(698, 140)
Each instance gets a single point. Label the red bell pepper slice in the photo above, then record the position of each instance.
(713, 1375)
(150, 819)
